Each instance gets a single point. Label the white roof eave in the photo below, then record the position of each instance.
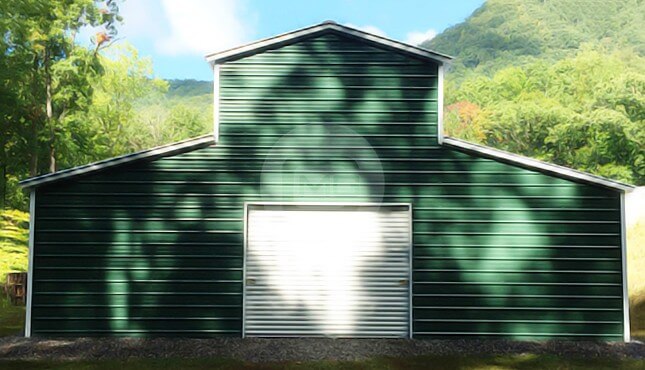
(161, 151)
(537, 165)
(293, 36)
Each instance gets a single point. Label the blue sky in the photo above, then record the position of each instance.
(177, 34)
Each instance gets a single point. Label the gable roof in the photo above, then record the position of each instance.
(319, 29)
(149, 154)
(534, 164)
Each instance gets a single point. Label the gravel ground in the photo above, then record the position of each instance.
(295, 349)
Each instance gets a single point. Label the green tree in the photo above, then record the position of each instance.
(130, 110)
(185, 122)
(116, 126)
(46, 77)
(586, 111)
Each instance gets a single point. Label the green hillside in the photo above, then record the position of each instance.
(503, 32)
(188, 88)
(192, 94)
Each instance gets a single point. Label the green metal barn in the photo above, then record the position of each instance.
(327, 203)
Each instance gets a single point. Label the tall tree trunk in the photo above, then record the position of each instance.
(50, 115)
(35, 118)
(33, 162)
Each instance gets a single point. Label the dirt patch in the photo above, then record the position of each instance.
(296, 349)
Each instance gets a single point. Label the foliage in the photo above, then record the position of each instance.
(560, 81)
(516, 32)
(465, 119)
(14, 234)
(636, 279)
(166, 121)
(46, 79)
(131, 110)
(585, 112)
(113, 114)
(184, 120)
(12, 318)
(174, 117)
(63, 104)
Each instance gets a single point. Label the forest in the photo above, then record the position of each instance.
(561, 81)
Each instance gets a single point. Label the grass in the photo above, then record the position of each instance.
(636, 277)
(423, 362)
(12, 318)
(14, 233)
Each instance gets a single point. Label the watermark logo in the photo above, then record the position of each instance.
(322, 163)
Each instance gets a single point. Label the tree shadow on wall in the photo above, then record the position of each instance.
(484, 255)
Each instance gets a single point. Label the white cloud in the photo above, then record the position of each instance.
(143, 18)
(416, 37)
(203, 26)
(369, 29)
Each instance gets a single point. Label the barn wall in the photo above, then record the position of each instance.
(156, 248)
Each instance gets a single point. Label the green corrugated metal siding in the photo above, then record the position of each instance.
(156, 248)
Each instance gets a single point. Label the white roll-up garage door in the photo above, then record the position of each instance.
(327, 270)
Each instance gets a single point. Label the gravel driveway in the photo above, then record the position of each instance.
(295, 349)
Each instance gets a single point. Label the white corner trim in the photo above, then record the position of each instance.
(216, 88)
(411, 273)
(623, 253)
(245, 248)
(531, 163)
(30, 265)
(440, 105)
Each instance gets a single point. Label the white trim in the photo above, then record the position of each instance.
(160, 151)
(411, 275)
(30, 265)
(293, 36)
(245, 224)
(331, 204)
(216, 85)
(536, 164)
(623, 253)
(440, 105)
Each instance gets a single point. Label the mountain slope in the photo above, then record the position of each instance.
(513, 32)
(188, 88)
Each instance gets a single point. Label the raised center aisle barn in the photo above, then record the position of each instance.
(327, 203)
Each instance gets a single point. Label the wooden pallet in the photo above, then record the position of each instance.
(16, 288)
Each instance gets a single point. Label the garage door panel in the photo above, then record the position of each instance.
(340, 271)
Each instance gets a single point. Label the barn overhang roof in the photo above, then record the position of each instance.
(534, 164)
(149, 154)
(209, 140)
